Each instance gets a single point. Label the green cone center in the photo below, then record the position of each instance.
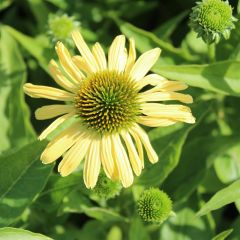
(107, 101)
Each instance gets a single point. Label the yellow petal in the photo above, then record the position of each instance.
(55, 124)
(81, 63)
(122, 162)
(168, 86)
(108, 164)
(92, 164)
(51, 111)
(60, 79)
(155, 122)
(150, 79)
(84, 50)
(117, 55)
(138, 145)
(67, 64)
(131, 56)
(144, 63)
(38, 91)
(74, 156)
(152, 156)
(132, 152)
(100, 57)
(61, 143)
(173, 112)
(165, 96)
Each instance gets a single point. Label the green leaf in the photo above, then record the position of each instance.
(5, 3)
(170, 148)
(40, 11)
(137, 231)
(165, 30)
(102, 214)
(223, 235)
(22, 178)
(36, 49)
(185, 226)
(221, 198)
(227, 165)
(14, 113)
(9, 233)
(146, 40)
(181, 182)
(222, 77)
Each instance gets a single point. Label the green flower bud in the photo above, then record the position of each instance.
(154, 205)
(212, 20)
(61, 27)
(106, 188)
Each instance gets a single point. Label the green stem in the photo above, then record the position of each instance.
(212, 52)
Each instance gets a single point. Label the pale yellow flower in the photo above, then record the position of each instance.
(109, 99)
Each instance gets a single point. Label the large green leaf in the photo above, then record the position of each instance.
(222, 198)
(41, 52)
(9, 233)
(146, 40)
(16, 128)
(169, 148)
(193, 166)
(22, 178)
(222, 77)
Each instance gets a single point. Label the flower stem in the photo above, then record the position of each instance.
(212, 52)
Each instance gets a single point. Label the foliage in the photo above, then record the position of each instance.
(199, 165)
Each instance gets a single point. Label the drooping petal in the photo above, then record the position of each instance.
(173, 112)
(144, 63)
(132, 152)
(153, 157)
(60, 79)
(61, 143)
(84, 50)
(150, 79)
(168, 86)
(67, 64)
(92, 164)
(107, 160)
(74, 156)
(38, 91)
(100, 57)
(55, 124)
(81, 63)
(122, 162)
(155, 122)
(117, 54)
(165, 96)
(51, 111)
(131, 56)
(138, 145)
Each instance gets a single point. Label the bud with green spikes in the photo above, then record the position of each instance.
(212, 20)
(106, 188)
(154, 205)
(61, 26)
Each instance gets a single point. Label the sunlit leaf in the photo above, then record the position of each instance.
(9, 233)
(222, 77)
(15, 117)
(222, 198)
(223, 235)
(22, 178)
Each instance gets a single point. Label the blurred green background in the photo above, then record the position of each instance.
(196, 163)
